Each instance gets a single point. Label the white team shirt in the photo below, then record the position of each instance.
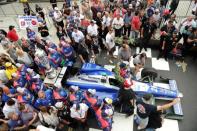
(110, 40)
(106, 21)
(92, 30)
(80, 113)
(117, 24)
(77, 36)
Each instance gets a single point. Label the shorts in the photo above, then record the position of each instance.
(142, 122)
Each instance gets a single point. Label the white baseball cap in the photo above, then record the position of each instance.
(29, 70)
(75, 88)
(59, 104)
(20, 89)
(92, 91)
(36, 76)
(18, 65)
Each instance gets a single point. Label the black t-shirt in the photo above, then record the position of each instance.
(148, 29)
(64, 114)
(126, 95)
(144, 110)
(53, 1)
(95, 47)
(167, 30)
(43, 31)
(60, 34)
(84, 52)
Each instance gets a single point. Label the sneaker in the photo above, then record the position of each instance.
(139, 128)
(115, 57)
(110, 61)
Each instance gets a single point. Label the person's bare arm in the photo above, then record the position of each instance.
(132, 101)
(163, 45)
(81, 58)
(4, 121)
(20, 128)
(35, 116)
(142, 32)
(166, 106)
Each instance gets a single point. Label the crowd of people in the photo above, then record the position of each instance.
(84, 31)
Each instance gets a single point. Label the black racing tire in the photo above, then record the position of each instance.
(151, 72)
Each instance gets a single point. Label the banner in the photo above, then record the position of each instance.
(28, 21)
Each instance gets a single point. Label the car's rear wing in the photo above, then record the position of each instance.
(177, 112)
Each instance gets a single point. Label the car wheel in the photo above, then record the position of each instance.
(149, 72)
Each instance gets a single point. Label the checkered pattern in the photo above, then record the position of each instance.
(160, 64)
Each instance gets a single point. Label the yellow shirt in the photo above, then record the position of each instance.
(9, 72)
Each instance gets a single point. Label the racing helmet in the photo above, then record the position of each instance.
(107, 100)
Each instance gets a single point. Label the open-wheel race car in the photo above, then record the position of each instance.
(92, 76)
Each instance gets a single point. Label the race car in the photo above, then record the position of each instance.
(106, 84)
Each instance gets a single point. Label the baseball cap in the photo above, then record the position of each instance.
(8, 64)
(59, 105)
(20, 89)
(92, 91)
(74, 88)
(29, 70)
(19, 65)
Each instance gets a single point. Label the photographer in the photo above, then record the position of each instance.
(145, 109)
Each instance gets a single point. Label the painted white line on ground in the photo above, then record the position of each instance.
(116, 51)
(92, 129)
(169, 125)
(122, 123)
(148, 52)
(160, 64)
(131, 62)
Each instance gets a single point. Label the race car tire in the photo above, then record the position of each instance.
(151, 72)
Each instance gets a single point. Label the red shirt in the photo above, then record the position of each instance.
(12, 35)
(85, 23)
(136, 23)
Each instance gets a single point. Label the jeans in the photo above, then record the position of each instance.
(141, 122)
(127, 30)
(118, 32)
(134, 34)
(150, 129)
